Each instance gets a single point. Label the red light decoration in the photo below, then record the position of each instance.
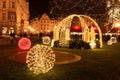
(76, 29)
(24, 43)
(95, 28)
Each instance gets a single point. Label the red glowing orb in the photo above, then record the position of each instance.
(95, 28)
(24, 43)
(76, 28)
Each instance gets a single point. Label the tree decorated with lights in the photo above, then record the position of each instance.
(113, 12)
(40, 59)
(68, 7)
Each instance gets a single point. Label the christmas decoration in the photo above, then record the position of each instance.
(46, 40)
(24, 43)
(112, 40)
(92, 44)
(40, 59)
(114, 14)
(67, 7)
(79, 27)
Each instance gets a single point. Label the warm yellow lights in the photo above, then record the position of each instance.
(62, 30)
(116, 24)
(40, 59)
(30, 29)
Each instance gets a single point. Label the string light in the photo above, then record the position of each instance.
(40, 59)
(77, 6)
(114, 14)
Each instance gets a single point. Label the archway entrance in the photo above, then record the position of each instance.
(81, 25)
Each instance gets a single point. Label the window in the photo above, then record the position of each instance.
(4, 16)
(12, 16)
(13, 4)
(4, 4)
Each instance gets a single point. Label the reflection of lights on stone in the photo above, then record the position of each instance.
(46, 40)
(40, 59)
(24, 43)
(92, 44)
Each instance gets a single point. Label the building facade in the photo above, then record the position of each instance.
(14, 16)
(43, 24)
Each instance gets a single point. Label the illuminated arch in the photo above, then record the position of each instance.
(66, 23)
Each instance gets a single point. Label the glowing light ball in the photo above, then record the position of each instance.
(109, 42)
(40, 59)
(46, 40)
(113, 39)
(92, 44)
(24, 43)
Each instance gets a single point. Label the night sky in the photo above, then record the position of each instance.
(38, 7)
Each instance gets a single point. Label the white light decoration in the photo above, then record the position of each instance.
(46, 40)
(92, 44)
(112, 40)
(40, 59)
(109, 42)
(114, 14)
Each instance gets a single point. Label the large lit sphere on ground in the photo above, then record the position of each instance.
(40, 59)
(24, 43)
(46, 40)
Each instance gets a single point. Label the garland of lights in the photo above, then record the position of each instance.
(40, 59)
